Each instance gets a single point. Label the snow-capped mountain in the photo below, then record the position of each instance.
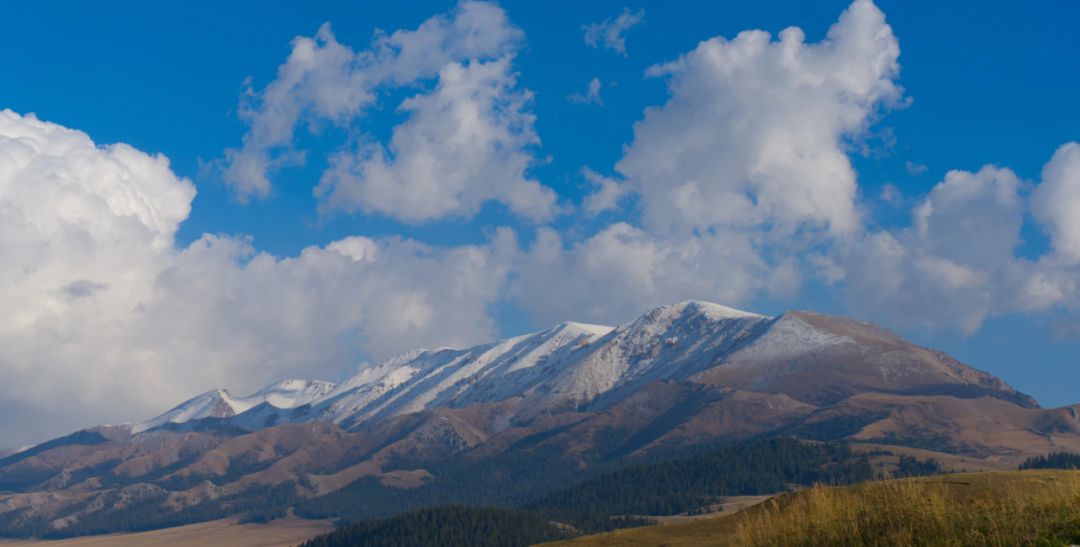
(668, 343)
(219, 403)
(569, 397)
(573, 365)
(486, 373)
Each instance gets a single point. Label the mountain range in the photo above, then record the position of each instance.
(526, 414)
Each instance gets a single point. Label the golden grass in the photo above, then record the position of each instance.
(1010, 509)
(994, 508)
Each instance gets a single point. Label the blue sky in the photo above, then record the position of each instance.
(990, 83)
(986, 84)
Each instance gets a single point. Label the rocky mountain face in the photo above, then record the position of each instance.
(568, 399)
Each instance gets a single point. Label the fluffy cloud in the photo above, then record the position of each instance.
(742, 175)
(606, 195)
(945, 271)
(1056, 203)
(610, 33)
(465, 142)
(746, 189)
(318, 79)
(755, 130)
(742, 179)
(622, 270)
(250, 316)
(107, 319)
(958, 262)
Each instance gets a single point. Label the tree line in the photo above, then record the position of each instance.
(1054, 460)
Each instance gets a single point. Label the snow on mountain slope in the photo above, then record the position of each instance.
(814, 358)
(571, 363)
(291, 393)
(449, 377)
(791, 336)
(220, 404)
(669, 342)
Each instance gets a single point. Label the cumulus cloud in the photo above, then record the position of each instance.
(755, 130)
(591, 95)
(464, 144)
(958, 263)
(606, 195)
(316, 313)
(945, 270)
(743, 175)
(475, 109)
(610, 34)
(106, 318)
(319, 79)
(622, 270)
(742, 180)
(1056, 202)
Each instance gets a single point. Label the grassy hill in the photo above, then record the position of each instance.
(995, 508)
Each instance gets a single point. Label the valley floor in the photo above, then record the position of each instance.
(226, 532)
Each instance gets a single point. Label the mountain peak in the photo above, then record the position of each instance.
(585, 364)
(694, 308)
(713, 310)
(219, 403)
(575, 328)
(216, 403)
(835, 325)
(291, 393)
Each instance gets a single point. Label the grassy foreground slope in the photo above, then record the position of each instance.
(996, 508)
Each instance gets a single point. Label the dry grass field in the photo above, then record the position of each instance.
(994, 508)
(218, 533)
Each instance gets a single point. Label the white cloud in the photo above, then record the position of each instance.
(964, 207)
(105, 318)
(607, 195)
(743, 176)
(591, 95)
(622, 270)
(319, 79)
(755, 130)
(1056, 202)
(950, 268)
(610, 33)
(746, 187)
(475, 104)
(464, 144)
(251, 317)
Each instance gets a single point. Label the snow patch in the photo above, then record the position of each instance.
(220, 404)
(788, 337)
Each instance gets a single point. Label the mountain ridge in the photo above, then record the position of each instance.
(584, 364)
(531, 412)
